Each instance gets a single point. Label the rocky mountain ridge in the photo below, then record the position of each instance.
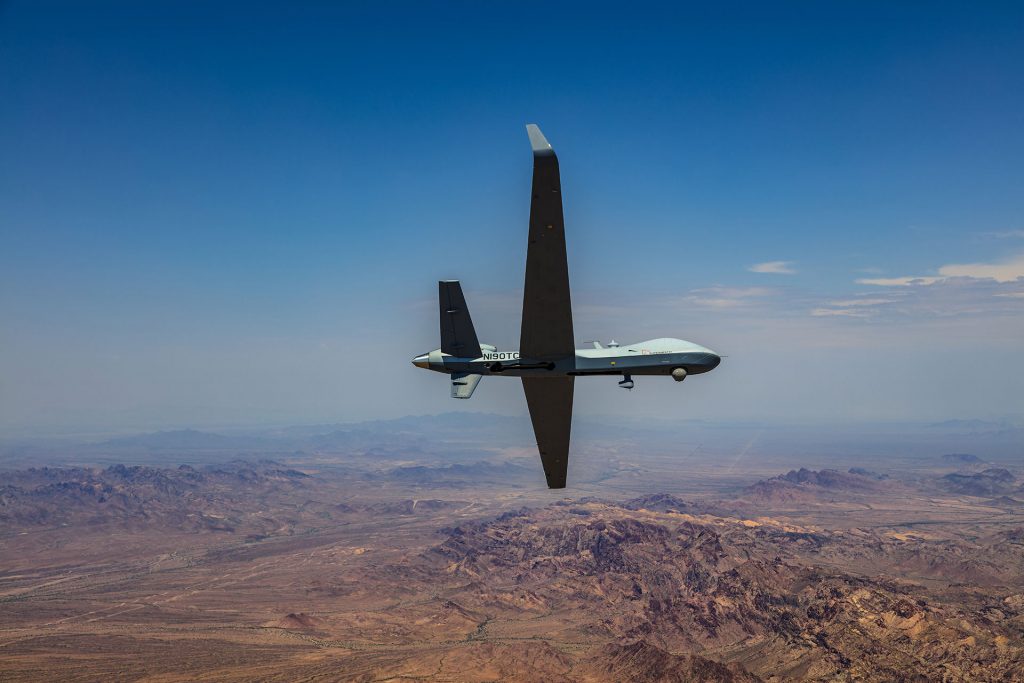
(725, 589)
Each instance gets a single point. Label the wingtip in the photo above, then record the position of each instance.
(539, 143)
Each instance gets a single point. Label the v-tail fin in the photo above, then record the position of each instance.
(458, 338)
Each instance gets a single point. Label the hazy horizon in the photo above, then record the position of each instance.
(474, 419)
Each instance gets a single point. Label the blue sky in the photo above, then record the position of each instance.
(226, 214)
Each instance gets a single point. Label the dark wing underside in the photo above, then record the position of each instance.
(550, 401)
(547, 313)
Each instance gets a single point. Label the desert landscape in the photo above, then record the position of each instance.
(437, 555)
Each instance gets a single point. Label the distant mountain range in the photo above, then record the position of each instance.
(806, 485)
(993, 481)
(975, 425)
(182, 439)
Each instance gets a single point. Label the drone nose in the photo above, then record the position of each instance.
(710, 360)
(421, 361)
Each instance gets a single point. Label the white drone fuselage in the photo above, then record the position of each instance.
(652, 357)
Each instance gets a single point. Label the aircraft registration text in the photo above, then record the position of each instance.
(501, 355)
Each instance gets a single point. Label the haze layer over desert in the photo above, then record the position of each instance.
(422, 549)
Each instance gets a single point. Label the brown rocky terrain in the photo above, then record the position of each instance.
(725, 588)
(266, 570)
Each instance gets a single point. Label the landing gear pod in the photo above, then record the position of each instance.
(627, 382)
(679, 374)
